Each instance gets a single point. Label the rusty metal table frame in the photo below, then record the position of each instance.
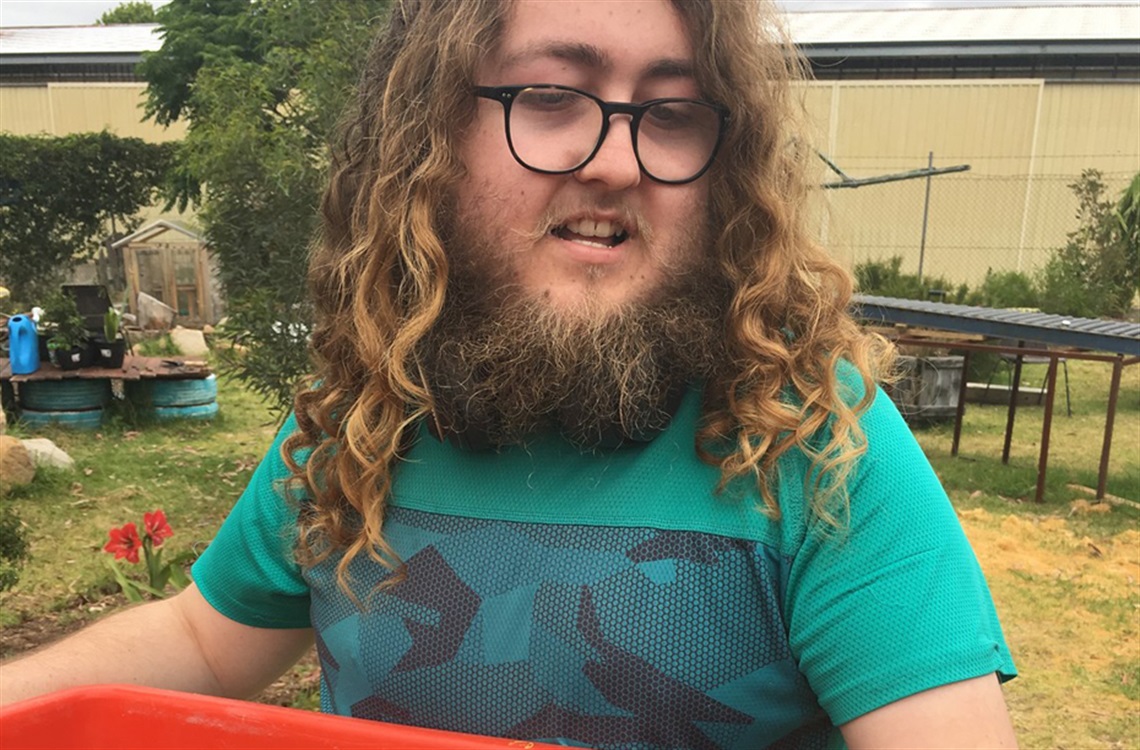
(1119, 362)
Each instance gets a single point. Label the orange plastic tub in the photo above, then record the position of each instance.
(130, 718)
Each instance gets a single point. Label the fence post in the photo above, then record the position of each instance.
(925, 216)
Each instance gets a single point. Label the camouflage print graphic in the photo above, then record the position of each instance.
(596, 636)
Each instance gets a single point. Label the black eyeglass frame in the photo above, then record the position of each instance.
(505, 95)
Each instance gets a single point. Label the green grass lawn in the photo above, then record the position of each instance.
(1064, 574)
(194, 471)
(1074, 448)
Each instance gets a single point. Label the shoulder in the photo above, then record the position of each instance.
(877, 446)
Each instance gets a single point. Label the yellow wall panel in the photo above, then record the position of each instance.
(1025, 142)
(81, 108)
(64, 108)
(25, 110)
(1089, 125)
(817, 101)
(895, 125)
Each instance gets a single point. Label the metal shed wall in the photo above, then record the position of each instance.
(1025, 142)
(63, 108)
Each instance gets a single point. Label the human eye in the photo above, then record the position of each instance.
(676, 115)
(548, 99)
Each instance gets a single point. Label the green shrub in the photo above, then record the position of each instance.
(1127, 217)
(159, 346)
(60, 197)
(1005, 289)
(886, 279)
(13, 548)
(1093, 275)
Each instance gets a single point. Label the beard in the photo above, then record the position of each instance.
(503, 365)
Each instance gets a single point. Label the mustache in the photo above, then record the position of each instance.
(632, 220)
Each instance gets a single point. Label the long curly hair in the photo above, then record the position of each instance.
(379, 271)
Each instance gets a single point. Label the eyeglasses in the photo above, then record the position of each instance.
(557, 130)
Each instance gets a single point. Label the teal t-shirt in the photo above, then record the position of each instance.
(614, 600)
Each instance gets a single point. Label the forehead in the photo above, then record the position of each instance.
(627, 37)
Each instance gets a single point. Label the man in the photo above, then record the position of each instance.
(592, 453)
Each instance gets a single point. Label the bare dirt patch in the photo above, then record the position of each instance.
(1068, 604)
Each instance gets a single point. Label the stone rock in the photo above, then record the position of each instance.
(16, 467)
(154, 313)
(189, 341)
(46, 453)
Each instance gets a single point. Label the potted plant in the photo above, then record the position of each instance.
(111, 348)
(68, 341)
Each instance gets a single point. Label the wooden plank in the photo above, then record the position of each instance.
(131, 262)
(205, 312)
(900, 330)
(134, 368)
(1113, 499)
(998, 393)
(169, 284)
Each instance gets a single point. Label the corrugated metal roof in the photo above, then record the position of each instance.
(1021, 24)
(80, 40)
(1085, 23)
(1056, 330)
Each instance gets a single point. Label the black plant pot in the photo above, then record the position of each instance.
(110, 354)
(71, 359)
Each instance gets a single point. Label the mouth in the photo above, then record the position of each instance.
(602, 234)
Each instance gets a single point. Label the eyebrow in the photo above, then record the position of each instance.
(591, 56)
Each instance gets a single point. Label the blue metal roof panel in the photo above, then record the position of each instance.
(1113, 336)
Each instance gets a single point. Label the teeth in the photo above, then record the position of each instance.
(590, 228)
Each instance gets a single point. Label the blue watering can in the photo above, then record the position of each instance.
(23, 346)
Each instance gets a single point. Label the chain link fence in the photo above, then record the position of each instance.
(967, 224)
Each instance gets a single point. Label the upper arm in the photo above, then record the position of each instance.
(241, 658)
(967, 714)
(894, 604)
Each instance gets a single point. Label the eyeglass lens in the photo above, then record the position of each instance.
(556, 130)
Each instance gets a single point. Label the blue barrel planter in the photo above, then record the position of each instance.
(65, 395)
(196, 411)
(88, 419)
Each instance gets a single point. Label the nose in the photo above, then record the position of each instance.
(615, 164)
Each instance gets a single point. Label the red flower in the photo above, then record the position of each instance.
(156, 527)
(125, 542)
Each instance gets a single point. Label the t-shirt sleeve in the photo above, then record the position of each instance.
(895, 603)
(249, 572)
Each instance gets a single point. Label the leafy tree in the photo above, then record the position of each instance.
(61, 197)
(132, 11)
(1127, 216)
(262, 83)
(195, 33)
(1092, 275)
